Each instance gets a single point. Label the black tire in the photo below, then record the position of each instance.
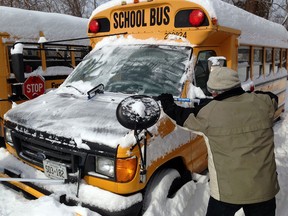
(164, 184)
(2, 143)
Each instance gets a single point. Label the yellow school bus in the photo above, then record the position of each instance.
(39, 56)
(155, 46)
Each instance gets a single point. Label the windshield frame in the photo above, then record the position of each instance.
(173, 51)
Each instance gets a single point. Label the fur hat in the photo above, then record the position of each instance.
(222, 79)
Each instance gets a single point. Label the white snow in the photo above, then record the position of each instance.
(18, 49)
(190, 200)
(25, 25)
(215, 60)
(138, 108)
(50, 71)
(252, 27)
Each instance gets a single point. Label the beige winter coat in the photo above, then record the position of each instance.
(240, 141)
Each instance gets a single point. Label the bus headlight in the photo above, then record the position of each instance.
(8, 136)
(105, 166)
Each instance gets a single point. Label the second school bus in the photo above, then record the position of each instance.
(157, 46)
(53, 61)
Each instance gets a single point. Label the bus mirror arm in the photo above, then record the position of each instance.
(18, 66)
(143, 155)
(139, 112)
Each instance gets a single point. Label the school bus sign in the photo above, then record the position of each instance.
(137, 18)
(34, 86)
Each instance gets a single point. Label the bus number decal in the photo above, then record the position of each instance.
(181, 34)
(130, 19)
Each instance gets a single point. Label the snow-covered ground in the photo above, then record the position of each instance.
(190, 200)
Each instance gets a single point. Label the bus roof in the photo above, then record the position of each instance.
(25, 25)
(254, 29)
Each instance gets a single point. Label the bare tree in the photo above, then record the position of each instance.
(274, 10)
(71, 7)
(74, 7)
(259, 7)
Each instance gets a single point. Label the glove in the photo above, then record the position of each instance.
(166, 100)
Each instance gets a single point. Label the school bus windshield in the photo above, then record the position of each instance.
(133, 69)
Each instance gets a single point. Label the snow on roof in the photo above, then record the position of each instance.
(26, 24)
(254, 29)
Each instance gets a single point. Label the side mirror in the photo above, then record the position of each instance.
(18, 67)
(17, 62)
(217, 60)
(138, 112)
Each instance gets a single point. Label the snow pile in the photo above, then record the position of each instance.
(190, 200)
(26, 24)
(50, 71)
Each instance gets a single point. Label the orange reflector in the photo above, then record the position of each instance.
(126, 169)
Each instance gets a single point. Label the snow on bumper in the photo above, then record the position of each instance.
(96, 199)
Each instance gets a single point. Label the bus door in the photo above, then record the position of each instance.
(201, 69)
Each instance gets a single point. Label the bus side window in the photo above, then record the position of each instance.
(258, 63)
(244, 63)
(201, 70)
(284, 58)
(277, 65)
(268, 62)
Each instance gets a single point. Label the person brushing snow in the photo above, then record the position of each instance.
(238, 130)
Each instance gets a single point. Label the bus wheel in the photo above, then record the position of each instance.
(2, 143)
(162, 186)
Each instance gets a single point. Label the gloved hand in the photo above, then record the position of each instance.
(166, 100)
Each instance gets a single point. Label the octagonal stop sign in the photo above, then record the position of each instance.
(34, 86)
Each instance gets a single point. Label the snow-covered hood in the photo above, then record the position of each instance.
(72, 116)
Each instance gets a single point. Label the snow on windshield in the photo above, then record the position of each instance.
(133, 69)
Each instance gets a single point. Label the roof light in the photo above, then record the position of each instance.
(214, 21)
(94, 26)
(196, 18)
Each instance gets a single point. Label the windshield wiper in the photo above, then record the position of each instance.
(99, 89)
(71, 86)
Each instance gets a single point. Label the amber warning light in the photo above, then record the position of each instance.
(94, 26)
(196, 18)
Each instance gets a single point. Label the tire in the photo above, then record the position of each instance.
(163, 185)
(2, 143)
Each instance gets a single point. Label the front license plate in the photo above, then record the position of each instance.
(54, 169)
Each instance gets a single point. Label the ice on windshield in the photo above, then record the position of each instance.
(133, 69)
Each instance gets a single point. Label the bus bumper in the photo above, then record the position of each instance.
(33, 191)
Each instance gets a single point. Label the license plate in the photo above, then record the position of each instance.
(54, 169)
